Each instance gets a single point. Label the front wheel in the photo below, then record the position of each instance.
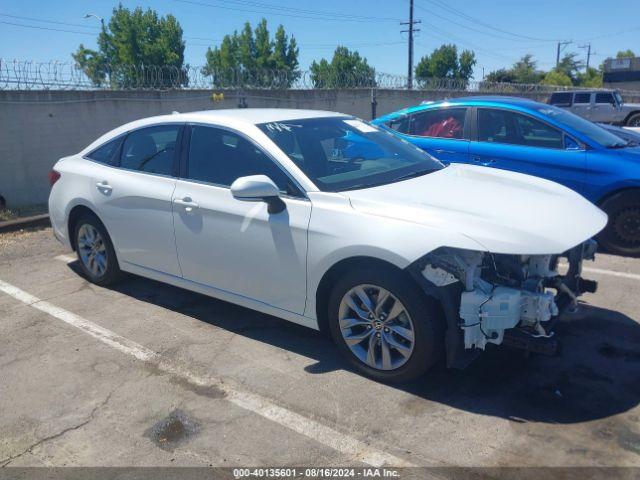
(622, 233)
(384, 325)
(634, 120)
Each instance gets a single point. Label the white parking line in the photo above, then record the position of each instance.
(355, 449)
(67, 258)
(612, 273)
(601, 271)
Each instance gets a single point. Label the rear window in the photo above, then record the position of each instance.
(561, 99)
(582, 98)
(106, 153)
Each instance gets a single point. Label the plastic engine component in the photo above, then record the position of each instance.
(487, 315)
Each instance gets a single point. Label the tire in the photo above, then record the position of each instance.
(421, 313)
(101, 273)
(622, 233)
(633, 120)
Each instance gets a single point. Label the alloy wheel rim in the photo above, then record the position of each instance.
(376, 327)
(92, 250)
(627, 226)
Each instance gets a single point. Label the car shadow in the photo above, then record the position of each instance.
(595, 375)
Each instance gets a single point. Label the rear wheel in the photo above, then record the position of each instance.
(622, 233)
(95, 251)
(384, 325)
(634, 120)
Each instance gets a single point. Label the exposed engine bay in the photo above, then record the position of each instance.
(511, 299)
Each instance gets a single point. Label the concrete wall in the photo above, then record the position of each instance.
(39, 127)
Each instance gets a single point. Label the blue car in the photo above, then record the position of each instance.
(537, 139)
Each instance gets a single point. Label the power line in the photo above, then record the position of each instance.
(460, 13)
(324, 16)
(48, 21)
(270, 6)
(47, 28)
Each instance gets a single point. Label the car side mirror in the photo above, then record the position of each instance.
(258, 188)
(571, 144)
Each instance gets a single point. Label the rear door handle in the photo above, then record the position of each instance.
(484, 161)
(186, 202)
(104, 187)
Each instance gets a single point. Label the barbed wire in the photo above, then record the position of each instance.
(57, 75)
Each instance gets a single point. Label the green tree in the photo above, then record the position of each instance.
(444, 62)
(347, 69)
(625, 54)
(252, 58)
(526, 70)
(501, 75)
(570, 66)
(591, 78)
(136, 49)
(557, 78)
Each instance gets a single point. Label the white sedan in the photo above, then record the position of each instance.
(329, 222)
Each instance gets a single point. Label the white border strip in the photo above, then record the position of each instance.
(611, 273)
(355, 449)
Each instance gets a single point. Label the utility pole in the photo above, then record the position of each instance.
(560, 46)
(410, 30)
(588, 47)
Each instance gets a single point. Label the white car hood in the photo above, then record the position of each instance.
(502, 211)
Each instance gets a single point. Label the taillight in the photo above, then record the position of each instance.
(53, 177)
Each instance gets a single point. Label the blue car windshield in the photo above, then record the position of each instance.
(585, 127)
(342, 153)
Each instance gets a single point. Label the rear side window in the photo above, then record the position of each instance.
(400, 124)
(561, 99)
(605, 98)
(582, 98)
(106, 153)
(440, 123)
(151, 149)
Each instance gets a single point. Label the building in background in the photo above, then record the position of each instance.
(622, 73)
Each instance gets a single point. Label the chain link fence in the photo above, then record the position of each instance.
(54, 75)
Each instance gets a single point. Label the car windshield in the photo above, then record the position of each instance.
(585, 127)
(344, 153)
(618, 98)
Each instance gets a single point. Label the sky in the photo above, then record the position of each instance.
(498, 31)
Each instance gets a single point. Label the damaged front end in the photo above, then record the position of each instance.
(502, 299)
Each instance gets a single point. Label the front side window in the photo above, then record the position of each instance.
(342, 153)
(582, 98)
(440, 123)
(589, 129)
(220, 157)
(605, 98)
(150, 149)
(106, 153)
(502, 126)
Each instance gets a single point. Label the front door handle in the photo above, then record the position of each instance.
(186, 202)
(440, 151)
(104, 187)
(484, 161)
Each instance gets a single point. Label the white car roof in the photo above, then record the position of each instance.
(260, 115)
(252, 116)
(236, 118)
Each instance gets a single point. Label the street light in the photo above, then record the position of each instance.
(89, 15)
